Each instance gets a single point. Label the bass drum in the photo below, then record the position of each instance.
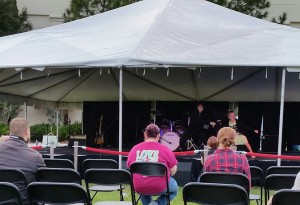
(171, 140)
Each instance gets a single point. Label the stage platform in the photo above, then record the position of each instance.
(189, 166)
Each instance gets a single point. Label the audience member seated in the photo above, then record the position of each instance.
(224, 159)
(212, 145)
(16, 154)
(295, 187)
(152, 151)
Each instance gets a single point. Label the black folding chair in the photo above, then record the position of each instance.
(102, 164)
(12, 176)
(286, 197)
(214, 193)
(226, 178)
(16, 177)
(9, 194)
(257, 178)
(283, 170)
(64, 175)
(151, 169)
(99, 164)
(277, 182)
(109, 177)
(59, 163)
(57, 193)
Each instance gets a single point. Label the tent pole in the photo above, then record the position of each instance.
(281, 115)
(57, 120)
(120, 115)
(25, 105)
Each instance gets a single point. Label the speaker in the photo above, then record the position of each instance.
(81, 139)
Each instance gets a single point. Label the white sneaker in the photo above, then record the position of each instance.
(153, 203)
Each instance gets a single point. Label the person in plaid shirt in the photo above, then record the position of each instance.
(224, 159)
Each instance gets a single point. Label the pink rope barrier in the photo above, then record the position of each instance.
(251, 154)
(273, 156)
(37, 147)
(111, 152)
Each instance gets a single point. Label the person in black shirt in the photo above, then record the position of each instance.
(198, 127)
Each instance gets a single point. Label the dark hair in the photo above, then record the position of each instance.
(152, 131)
(200, 103)
(230, 111)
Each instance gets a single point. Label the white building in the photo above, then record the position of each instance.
(45, 13)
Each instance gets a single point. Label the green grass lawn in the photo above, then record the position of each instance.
(111, 196)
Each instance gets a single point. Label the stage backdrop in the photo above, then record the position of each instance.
(136, 116)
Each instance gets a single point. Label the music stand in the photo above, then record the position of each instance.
(191, 144)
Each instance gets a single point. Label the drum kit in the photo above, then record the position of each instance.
(170, 133)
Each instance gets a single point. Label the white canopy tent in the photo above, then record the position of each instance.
(151, 43)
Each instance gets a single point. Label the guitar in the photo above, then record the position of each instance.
(99, 139)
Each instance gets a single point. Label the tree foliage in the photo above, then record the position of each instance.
(255, 8)
(84, 8)
(8, 111)
(11, 21)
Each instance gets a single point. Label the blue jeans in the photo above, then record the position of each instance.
(161, 199)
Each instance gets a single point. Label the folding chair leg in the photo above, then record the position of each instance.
(121, 193)
(137, 201)
(93, 197)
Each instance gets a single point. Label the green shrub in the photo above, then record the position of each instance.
(63, 130)
(4, 129)
(37, 131)
(76, 128)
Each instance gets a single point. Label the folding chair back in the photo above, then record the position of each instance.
(57, 193)
(214, 193)
(109, 177)
(16, 177)
(59, 163)
(9, 194)
(283, 170)
(226, 178)
(257, 177)
(102, 164)
(12, 176)
(277, 182)
(99, 164)
(151, 169)
(65, 175)
(286, 196)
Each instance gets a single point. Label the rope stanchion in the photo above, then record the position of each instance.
(273, 156)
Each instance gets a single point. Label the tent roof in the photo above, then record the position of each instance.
(152, 33)
(156, 41)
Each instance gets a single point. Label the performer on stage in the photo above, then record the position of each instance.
(198, 127)
(241, 140)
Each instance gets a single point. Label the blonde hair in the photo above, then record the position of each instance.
(18, 127)
(226, 137)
